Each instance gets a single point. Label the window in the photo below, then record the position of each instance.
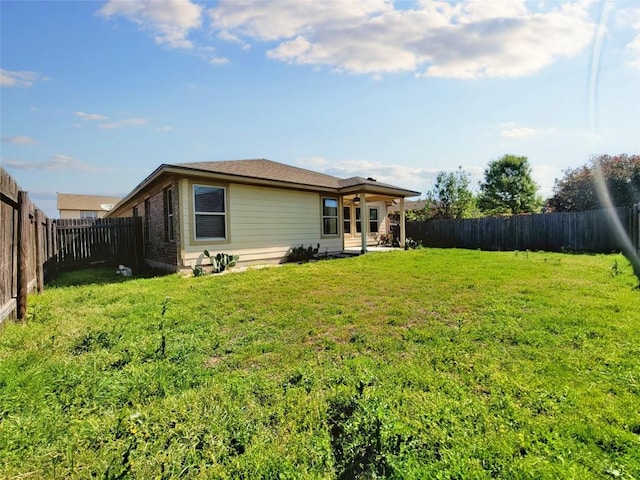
(135, 211)
(330, 216)
(147, 220)
(87, 214)
(373, 220)
(210, 215)
(346, 219)
(358, 221)
(167, 195)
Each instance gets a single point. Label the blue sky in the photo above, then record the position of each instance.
(96, 95)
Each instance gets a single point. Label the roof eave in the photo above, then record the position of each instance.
(252, 180)
(379, 189)
(153, 176)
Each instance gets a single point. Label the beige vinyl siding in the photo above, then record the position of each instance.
(353, 240)
(263, 224)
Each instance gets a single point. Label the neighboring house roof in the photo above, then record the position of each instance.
(269, 173)
(70, 201)
(408, 205)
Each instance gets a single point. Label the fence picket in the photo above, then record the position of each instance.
(83, 242)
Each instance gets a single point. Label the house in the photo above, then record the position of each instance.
(84, 206)
(257, 209)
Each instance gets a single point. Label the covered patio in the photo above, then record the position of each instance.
(365, 223)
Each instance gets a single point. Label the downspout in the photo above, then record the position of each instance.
(403, 233)
(364, 223)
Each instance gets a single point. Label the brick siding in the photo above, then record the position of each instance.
(157, 249)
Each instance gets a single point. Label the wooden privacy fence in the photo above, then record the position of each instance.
(27, 248)
(92, 241)
(589, 231)
(33, 248)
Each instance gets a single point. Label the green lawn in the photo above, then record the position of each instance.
(417, 364)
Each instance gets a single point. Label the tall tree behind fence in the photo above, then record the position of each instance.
(92, 241)
(589, 231)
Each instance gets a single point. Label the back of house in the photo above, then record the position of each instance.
(257, 209)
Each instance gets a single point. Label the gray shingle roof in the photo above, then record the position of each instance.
(267, 170)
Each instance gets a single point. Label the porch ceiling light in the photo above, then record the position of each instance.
(356, 200)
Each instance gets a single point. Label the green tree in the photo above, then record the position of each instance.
(576, 191)
(508, 188)
(451, 196)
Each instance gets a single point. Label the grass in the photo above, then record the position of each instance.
(419, 364)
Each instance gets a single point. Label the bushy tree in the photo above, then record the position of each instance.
(508, 188)
(576, 191)
(451, 196)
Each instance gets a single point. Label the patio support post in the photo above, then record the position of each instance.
(403, 233)
(364, 222)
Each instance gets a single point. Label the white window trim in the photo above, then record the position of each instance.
(169, 214)
(347, 221)
(223, 214)
(371, 231)
(336, 217)
(358, 221)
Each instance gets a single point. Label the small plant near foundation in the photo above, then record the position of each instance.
(411, 244)
(387, 240)
(221, 261)
(302, 253)
(198, 271)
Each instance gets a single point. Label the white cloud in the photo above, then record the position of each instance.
(313, 162)
(416, 178)
(20, 140)
(58, 162)
(166, 128)
(632, 17)
(419, 179)
(230, 37)
(519, 132)
(109, 126)
(90, 116)
(117, 123)
(399, 175)
(218, 60)
(545, 176)
(125, 122)
(467, 39)
(271, 21)
(170, 21)
(24, 78)
(133, 122)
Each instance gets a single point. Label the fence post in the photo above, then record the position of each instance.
(139, 243)
(23, 254)
(50, 260)
(39, 252)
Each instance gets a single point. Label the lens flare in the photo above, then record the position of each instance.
(602, 191)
